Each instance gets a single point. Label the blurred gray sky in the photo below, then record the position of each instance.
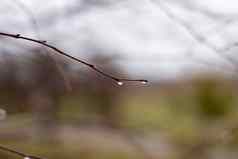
(147, 42)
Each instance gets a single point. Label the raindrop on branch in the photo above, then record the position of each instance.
(3, 114)
(120, 83)
(144, 82)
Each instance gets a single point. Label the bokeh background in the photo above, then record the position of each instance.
(53, 107)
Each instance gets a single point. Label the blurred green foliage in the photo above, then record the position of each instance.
(213, 101)
(186, 114)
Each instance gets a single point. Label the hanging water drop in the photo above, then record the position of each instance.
(3, 114)
(26, 157)
(120, 83)
(144, 82)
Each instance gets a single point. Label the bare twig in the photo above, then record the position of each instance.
(20, 154)
(93, 67)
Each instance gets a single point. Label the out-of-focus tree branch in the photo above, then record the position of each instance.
(195, 35)
(36, 29)
(222, 19)
(189, 5)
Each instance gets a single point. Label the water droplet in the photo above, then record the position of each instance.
(120, 83)
(144, 82)
(3, 114)
(26, 157)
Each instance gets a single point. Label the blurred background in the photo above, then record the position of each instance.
(53, 107)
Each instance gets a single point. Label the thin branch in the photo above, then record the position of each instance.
(36, 29)
(200, 39)
(20, 154)
(136, 144)
(189, 5)
(93, 67)
(131, 139)
(211, 65)
(223, 19)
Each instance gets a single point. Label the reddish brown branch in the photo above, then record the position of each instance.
(93, 67)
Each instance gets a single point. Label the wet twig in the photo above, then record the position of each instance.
(18, 153)
(120, 81)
